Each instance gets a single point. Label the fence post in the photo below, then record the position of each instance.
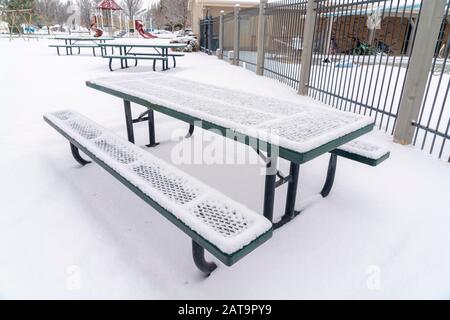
(307, 50)
(236, 35)
(221, 29)
(261, 38)
(427, 32)
(209, 32)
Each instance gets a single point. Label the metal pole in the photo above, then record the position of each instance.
(307, 50)
(221, 29)
(270, 184)
(261, 38)
(128, 120)
(422, 54)
(236, 35)
(330, 31)
(210, 32)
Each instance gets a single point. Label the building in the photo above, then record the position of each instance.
(199, 9)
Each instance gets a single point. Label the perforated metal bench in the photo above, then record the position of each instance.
(225, 228)
(77, 46)
(174, 55)
(135, 58)
(357, 150)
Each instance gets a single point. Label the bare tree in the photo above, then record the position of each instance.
(46, 11)
(131, 7)
(86, 9)
(62, 13)
(157, 14)
(176, 12)
(171, 13)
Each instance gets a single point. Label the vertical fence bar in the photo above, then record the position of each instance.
(308, 38)
(261, 38)
(221, 30)
(419, 67)
(209, 30)
(236, 36)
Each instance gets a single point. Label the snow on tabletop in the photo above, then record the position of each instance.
(222, 221)
(365, 149)
(300, 126)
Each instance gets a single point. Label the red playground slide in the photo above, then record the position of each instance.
(98, 32)
(140, 28)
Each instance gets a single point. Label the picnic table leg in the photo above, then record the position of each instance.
(289, 212)
(77, 156)
(70, 49)
(110, 64)
(190, 131)
(121, 60)
(269, 188)
(67, 48)
(331, 173)
(125, 53)
(198, 253)
(129, 120)
(151, 129)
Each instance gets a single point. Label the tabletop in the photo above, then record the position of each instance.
(144, 45)
(81, 38)
(302, 130)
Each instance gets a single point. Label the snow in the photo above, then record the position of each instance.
(71, 232)
(230, 226)
(365, 149)
(301, 126)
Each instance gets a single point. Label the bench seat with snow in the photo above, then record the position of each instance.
(135, 57)
(357, 150)
(174, 55)
(225, 228)
(363, 151)
(69, 47)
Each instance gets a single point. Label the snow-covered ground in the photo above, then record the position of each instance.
(67, 232)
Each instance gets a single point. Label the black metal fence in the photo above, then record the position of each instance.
(285, 22)
(209, 34)
(361, 54)
(360, 58)
(432, 128)
(228, 34)
(248, 29)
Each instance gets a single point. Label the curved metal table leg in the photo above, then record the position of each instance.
(110, 64)
(331, 172)
(77, 156)
(154, 65)
(198, 253)
(190, 131)
(174, 62)
(135, 62)
(57, 50)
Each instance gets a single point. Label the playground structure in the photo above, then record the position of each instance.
(19, 22)
(139, 26)
(109, 18)
(98, 31)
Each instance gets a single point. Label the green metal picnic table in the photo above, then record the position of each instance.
(296, 132)
(71, 42)
(128, 48)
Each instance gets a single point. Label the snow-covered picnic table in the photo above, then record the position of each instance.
(295, 131)
(79, 42)
(127, 50)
